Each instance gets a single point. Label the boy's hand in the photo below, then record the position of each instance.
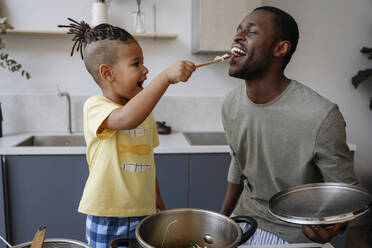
(179, 71)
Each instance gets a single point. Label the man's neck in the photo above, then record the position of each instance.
(266, 89)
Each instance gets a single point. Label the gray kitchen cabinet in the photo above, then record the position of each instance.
(193, 180)
(208, 180)
(2, 206)
(212, 32)
(172, 175)
(45, 190)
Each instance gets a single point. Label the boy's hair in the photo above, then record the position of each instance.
(102, 43)
(286, 28)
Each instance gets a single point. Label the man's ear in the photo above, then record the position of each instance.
(282, 48)
(106, 72)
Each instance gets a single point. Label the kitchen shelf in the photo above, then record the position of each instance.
(60, 32)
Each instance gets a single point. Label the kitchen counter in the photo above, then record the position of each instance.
(174, 143)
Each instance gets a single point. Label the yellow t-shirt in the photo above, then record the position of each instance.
(121, 180)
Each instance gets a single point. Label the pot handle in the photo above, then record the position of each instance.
(252, 226)
(121, 242)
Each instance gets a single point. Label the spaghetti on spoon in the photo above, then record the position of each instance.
(216, 60)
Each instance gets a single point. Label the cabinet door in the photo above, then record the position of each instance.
(45, 190)
(208, 180)
(214, 23)
(172, 174)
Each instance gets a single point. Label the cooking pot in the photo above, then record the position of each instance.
(53, 243)
(178, 228)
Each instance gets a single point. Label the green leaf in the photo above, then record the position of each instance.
(11, 62)
(4, 56)
(366, 50)
(360, 77)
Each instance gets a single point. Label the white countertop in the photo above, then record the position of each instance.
(171, 143)
(174, 143)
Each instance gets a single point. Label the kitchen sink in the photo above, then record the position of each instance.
(54, 140)
(205, 138)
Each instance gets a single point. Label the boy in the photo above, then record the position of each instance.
(120, 131)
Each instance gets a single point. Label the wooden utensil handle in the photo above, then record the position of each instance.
(216, 60)
(38, 240)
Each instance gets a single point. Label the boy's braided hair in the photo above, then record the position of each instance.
(84, 34)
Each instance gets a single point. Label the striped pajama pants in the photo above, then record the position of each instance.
(261, 237)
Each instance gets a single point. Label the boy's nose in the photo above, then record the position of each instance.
(145, 70)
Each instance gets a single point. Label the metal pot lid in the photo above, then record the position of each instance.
(320, 203)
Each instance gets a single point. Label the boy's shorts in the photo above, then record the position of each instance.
(101, 230)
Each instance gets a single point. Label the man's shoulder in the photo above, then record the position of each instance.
(232, 95)
(311, 100)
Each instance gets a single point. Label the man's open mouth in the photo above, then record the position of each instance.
(238, 52)
(139, 84)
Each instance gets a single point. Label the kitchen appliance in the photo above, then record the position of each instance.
(320, 203)
(179, 227)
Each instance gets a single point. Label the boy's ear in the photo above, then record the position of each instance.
(282, 48)
(106, 72)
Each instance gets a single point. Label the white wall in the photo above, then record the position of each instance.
(48, 59)
(331, 35)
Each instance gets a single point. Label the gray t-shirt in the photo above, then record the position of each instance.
(297, 138)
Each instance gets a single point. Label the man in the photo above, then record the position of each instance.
(281, 133)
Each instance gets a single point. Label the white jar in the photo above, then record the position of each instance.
(99, 13)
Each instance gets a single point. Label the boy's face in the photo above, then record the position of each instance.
(129, 70)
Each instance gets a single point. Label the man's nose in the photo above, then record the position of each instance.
(239, 36)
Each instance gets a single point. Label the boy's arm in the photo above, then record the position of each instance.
(139, 107)
(159, 201)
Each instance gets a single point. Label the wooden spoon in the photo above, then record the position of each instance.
(216, 60)
(38, 240)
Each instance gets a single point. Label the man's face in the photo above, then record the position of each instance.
(252, 46)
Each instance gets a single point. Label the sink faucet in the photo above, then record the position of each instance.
(68, 98)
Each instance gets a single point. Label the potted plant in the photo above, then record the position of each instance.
(5, 60)
(8, 63)
(363, 75)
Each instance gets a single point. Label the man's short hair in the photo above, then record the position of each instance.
(286, 28)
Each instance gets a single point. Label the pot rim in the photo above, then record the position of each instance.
(196, 210)
(77, 242)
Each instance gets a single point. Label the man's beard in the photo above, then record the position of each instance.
(246, 73)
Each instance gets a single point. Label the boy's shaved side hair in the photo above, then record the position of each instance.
(98, 53)
(99, 44)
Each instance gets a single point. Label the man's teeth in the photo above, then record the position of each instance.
(238, 52)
